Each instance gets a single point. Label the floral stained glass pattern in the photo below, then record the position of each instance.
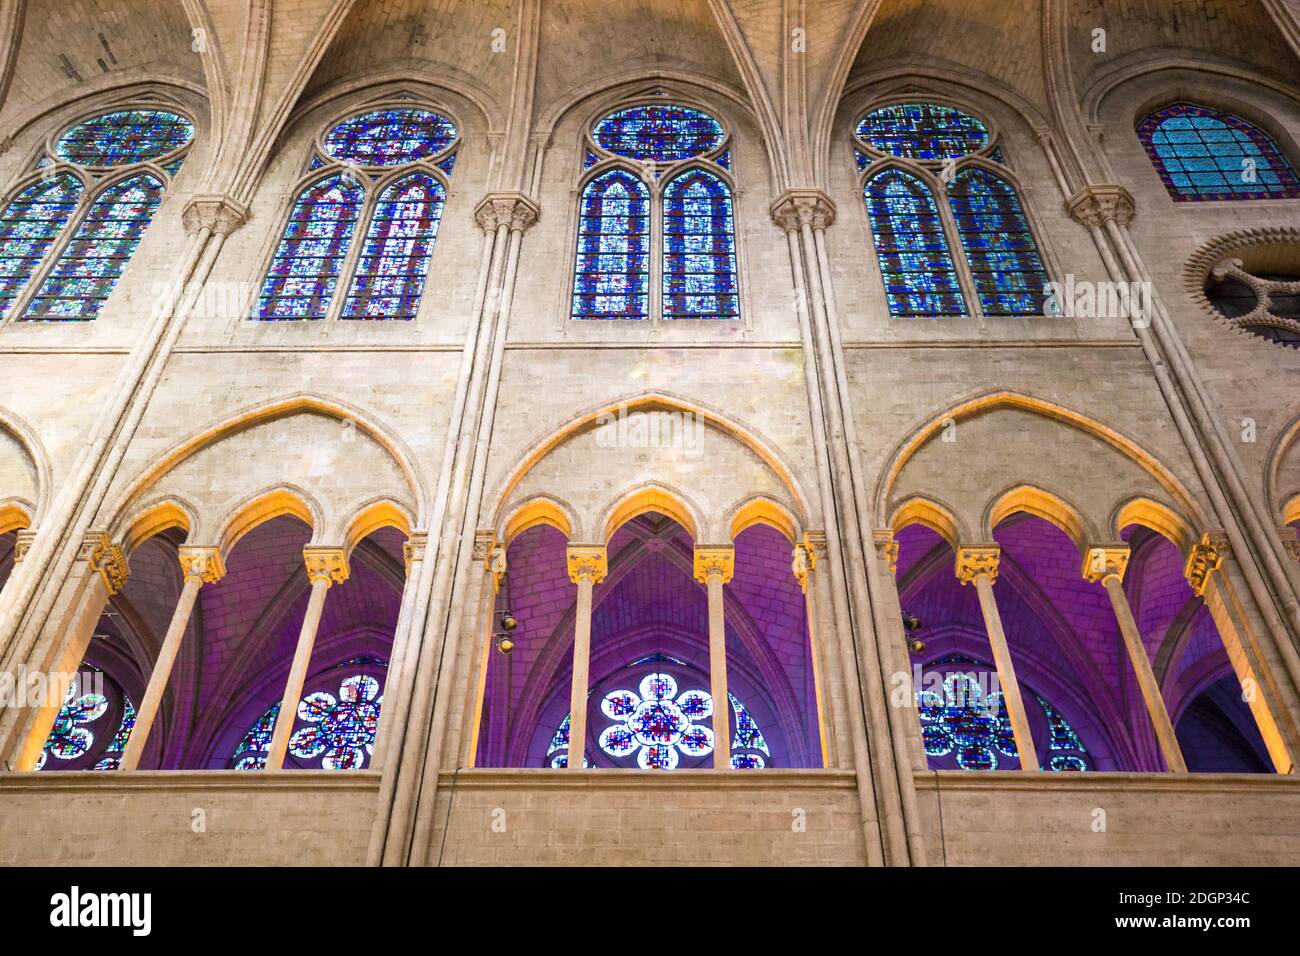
(304, 271)
(612, 272)
(920, 278)
(1000, 249)
(660, 133)
(699, 276)
(125, 137)
(339, 730)
(88, 268)
(390, 137)
(70, 737)
(1202, 154)
(923, 131)
(29, 226)
(250, 754)
(389, 278)
(112, 756)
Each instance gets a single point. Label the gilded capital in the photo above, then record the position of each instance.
(886, 547)
(23, 544)
(203, 564)
(107, 560)
(1106, 561)
(218, 214)
(413, 548)
(1099, 204)
(980, 561)
(1204, 559)
(590, 562)
(506, 209)
(326, 564)
(1288, 534)
(796, 207)
(711, 559)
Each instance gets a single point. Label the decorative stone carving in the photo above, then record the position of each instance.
(587, 561)
(326, 564)
(1097, 205)
(1204, 559)
(107, 560)
(713, 559)
(24, 544)
(506, 209)
(1288, 533)
(205, 564)
(886, 547)
(976, 562)
(795, 207)
(1106, 561)
(413, 548)
(219, 214)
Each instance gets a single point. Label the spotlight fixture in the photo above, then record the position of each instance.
(508, 622)
(912, 624)
(504, 644)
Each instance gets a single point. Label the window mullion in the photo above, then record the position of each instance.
(957, 249)
(347, 268)
(657, 253)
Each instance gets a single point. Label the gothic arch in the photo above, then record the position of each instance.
(1051, 507)
(33, 495)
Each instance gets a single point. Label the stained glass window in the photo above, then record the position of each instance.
(305, 268)
(112, 756)
(658, 727)
(389, 278)
(337, 729)
(89, 266)
(390, 137)
(70, 737)
(924, 131)
(699, 278)
(660, 133)
(966, 726)
(122, 138)
(1202, 154)
(1000, 249)
(612, 272)
(28, 226)
(920, 278)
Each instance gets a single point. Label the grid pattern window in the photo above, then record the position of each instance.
(661, 134)
(699, 273)
(392, 137)
(124, 138)
(923, 131)
(1004, 261)
(612, 274)
(29, 226)
(920, 277)
(1203, 155)
(389, 279)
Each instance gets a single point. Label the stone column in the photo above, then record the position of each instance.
(588, 566)
(714, 567)
(1107, 565)
(980, 565)
(200, 566)
(325, 566)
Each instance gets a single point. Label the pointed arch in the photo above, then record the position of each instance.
(370, 517)
(1159, 518)
(762, 510)
(700, 279)
(157, 517)
(651, 496)
(14, 515)
(304, 269)
(1004, 260)
(264, 506)
(1027, 499)
(611, 273)
(31, 223)
(540, 510)
(928, 514)
(911, 246)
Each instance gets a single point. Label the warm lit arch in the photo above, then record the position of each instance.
(1159, 518)
(538, 511)
(283, 500)
(763, 511)
(1291, 511)
(652, 497)
(156, 518)
(14, 516)
(928, 514)
(1027, 499)
(382, 513)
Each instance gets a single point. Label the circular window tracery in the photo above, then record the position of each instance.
(928, 132)
(124, 137)
(661, 133)
(1257, 298)
(390, 137)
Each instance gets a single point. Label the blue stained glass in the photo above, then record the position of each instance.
(920, 278)
(125, 137)
(390, 137)
(448, 165)
(29, 226)
(389, 278)
(70, 738)
(699, 277)
(112, 757)
(1202, 154)
(1004, 260)
(340, 731)
(589, 160)
(612, 272)
(723, 159)
(305, 268)
(862, 159)
(661, 133)
(90, 264)
(924, 131)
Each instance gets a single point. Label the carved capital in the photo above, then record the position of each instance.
(483, 543)
(977, 562)
(326, 564)
(1105, 561)
(219, 214)
(587, 561)
(204, 564)
(796, 207)
(886, 547)
(24, 544)
(413, 548)
(815, 542)
(803, 561)
(1289, 540)
(713, 559)
(506, 209)
(1204, 559)
(107, 560)
(1099, 204)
